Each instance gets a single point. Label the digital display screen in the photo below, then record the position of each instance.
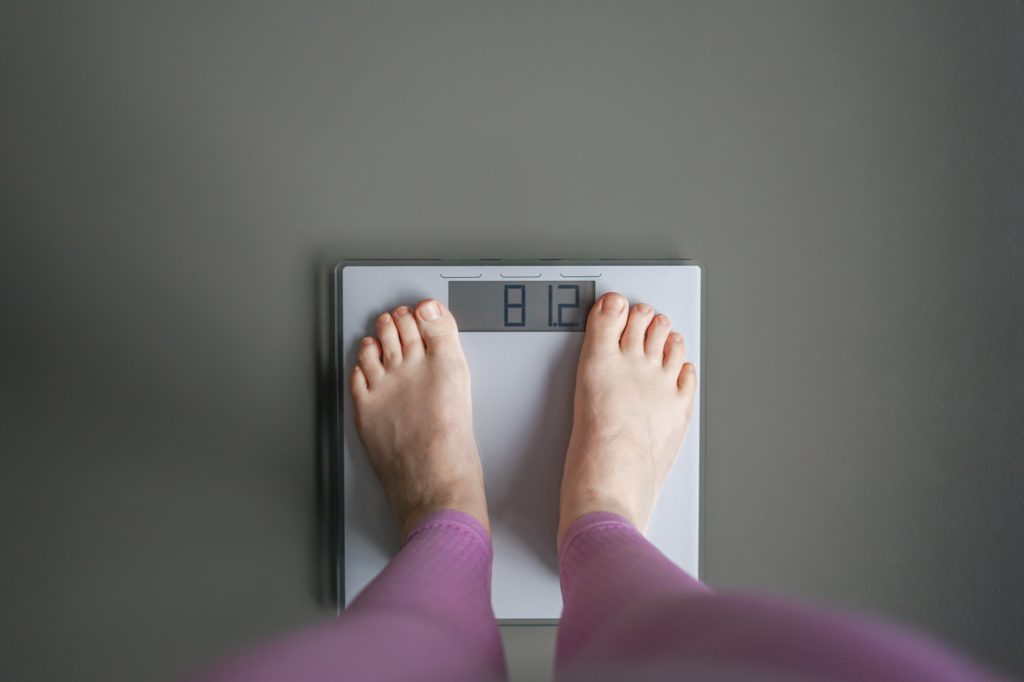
(513, 306)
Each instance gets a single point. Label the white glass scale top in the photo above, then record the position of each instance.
(521, 328)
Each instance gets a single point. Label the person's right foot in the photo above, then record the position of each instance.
(633, 402)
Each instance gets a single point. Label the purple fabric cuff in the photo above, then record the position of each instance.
(589, 522)
(450, 518)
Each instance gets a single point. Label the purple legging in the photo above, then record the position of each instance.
(630, 613)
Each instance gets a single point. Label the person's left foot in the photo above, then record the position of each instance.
(414, 415)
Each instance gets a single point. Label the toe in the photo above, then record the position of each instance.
(437, 326)
(360, 387)
(688, 385)
(605, 323)
(636, 328)
(657, 332)
(675, 352)
(370, 360)
(408, 333)
(391, 345)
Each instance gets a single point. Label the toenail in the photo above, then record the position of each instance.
(367, 340)
(613, 303)
(663, 320)
(643, 308)
(677, 338)
(404, 310)
(430, 310)
(384, 319)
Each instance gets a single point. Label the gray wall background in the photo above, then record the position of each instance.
(176, 175)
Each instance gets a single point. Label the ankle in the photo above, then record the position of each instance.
(588, 502)
(411, 519)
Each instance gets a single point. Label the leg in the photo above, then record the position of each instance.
(607, 568)
(428, 615)
(634, 393)
(630, 612)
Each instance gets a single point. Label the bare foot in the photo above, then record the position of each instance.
(414, 415)
(634, 396)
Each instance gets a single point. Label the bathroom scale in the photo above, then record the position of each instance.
(521, 326)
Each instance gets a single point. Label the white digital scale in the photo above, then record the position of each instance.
(521, 325)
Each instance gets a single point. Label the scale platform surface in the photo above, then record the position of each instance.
(521, 326)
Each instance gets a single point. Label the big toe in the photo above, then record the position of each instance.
(606, 322)
(437, 325)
